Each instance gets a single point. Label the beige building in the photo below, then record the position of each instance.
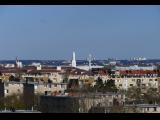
(53, 87)
(126, 82)
(12, 88)
(54, 77)
(9, 88)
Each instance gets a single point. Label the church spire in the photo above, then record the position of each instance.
(74, 59)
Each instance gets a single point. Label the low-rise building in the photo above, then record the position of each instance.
(81, 103)
(144, 108)
(136, 67)
(12, 87)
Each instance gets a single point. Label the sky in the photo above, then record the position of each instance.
(54, 31)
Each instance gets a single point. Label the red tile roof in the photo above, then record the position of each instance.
(43, 71)
(138, 72)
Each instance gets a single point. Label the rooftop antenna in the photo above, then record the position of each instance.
(16, 61)
(16, 58)
(90, 61)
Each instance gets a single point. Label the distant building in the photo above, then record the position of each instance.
(86, 67)
(10, 88)
(78, 103)
(27, 90)
(136, 67)
(59, 104)
(139, 58)
(37, 65)
(20, 111)
(9, 66)
(74, 60)
(144, 108)
(18, 63)
(28, 95)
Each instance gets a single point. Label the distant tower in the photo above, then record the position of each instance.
(74, 60)
(18, 63)
(89, 60)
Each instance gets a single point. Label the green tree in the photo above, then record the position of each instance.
(134, 94)
(110, 86)
(11, 78)
(151, 96)
(107, 86)
(15, 100)
(99, 85)
(65, 80)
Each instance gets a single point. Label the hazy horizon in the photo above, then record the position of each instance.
(53, 32)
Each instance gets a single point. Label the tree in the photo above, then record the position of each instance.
(99, 85)
(151, 96)
(14, 101)
(65, 80)
(134, 94)
(17, 79)
(11, 78)
(109, 71)
(49, 81)
(107, 86)
(110, 86)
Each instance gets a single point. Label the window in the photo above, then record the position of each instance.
(110, 103)
(148, 109)
(18, 90)
(55, 85)
(6, 84)
(133, 80)
(138, 80)
(86, 80)
(143, 84)
(45, 85)
(120, 84)
(109, 95)
(155, 79)
(150, 79)
(6, 91)
(131, 84)
(155, 109)
(35, 87)
(64, 86)
(50, 85)
(45, 92)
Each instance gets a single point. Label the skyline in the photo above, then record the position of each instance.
(54, 32)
